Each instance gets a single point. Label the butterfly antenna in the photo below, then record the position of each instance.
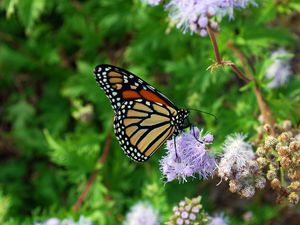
(205, 113)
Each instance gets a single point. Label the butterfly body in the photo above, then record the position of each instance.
(144, 117)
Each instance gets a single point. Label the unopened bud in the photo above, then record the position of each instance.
(293, 198)
(267, 128)
(295, 146)
(260, 182)
(275, 184)
(284, 137)
(294, 186)
(271, 142)
(287, 125)
(262, 162)
(248, 192)
(285, 162)
(283, 151)
(271, 174)
(234, 186)
(260, 151)
(294, 174)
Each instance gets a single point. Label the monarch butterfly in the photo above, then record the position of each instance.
(144, 117)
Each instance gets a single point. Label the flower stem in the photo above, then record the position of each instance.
(215, 45)
(94, 174)
(246, 77)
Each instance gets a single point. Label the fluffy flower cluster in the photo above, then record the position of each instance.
(238, 165)
(280, 70)
(187, 156)
(196, 15)
(55, 221)
(279, 154)
(188, 211)
(142, 213)
(217, 220)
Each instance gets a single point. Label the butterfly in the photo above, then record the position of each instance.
(144, 118)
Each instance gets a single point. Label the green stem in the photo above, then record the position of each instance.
(282, 177)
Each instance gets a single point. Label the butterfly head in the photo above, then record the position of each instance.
(181, 120)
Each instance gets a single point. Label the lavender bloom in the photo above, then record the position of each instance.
(196, 15)
(192, 157)
(152, 2)
(55, 221)
(239, 167)
(280, 70)
(142, 213)
(236, 157)
(217, 220)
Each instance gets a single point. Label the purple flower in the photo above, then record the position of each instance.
(142, 213)
(196, 15)
(189, 157)
(236, 157)
(280, 70)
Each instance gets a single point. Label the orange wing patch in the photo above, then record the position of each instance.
(150, 96)
(129, 94)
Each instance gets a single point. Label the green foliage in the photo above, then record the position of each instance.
(48, 50)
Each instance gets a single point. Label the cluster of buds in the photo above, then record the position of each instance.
(238, 166)
(189, 211)
(246, 184)
(278, 153)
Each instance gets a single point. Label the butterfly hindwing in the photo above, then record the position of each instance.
(142, 127)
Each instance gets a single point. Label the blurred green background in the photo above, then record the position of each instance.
(54, 119)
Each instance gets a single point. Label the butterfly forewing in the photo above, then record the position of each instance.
(120, 85)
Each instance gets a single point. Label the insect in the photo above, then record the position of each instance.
(144, 117)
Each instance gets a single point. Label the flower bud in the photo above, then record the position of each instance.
(234, 186)
(296, 159)
(294, 146)
(262, 162)
(283, 151)
(275, 184)
(294, 174)
(271, 174)
(287, 125)
(267, 128)
(294, 186)
(260, 151)
(285, 162)
(293, 198)
(271, 142)
(284, 137)
(248, 192)
(260, 182)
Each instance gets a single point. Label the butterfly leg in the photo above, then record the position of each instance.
(176, 155)
(193, 130)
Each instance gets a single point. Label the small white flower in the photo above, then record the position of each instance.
(218, 220)
(280, 70)
(236, 156)
(142, 213)
(152, 2)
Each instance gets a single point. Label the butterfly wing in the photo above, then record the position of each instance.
(141, 127)
(120, 85)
